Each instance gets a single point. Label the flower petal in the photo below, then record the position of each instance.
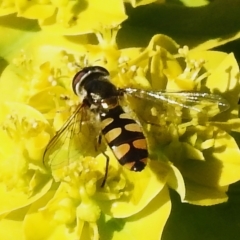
(146, 185)
(11, 226)
(204, 195)
(153, 217)
(14, 199)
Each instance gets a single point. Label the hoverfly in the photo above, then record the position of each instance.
(100, 104)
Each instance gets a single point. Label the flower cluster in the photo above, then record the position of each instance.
(190, 143)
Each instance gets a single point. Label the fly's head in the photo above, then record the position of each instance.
(92, 84)
(86, 76)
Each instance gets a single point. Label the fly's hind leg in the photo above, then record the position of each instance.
(98, 143)
(106, 170)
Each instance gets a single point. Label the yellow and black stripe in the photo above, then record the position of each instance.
(125, 138)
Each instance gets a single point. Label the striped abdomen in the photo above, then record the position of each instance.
(125, 137)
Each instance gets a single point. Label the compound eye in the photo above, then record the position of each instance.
(76, 82)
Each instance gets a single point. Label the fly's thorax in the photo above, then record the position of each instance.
(109, 103)
(99, 92)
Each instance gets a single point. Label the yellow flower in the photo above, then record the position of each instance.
(70, 203)
(191, 151)
(68, 17)
(208, 156)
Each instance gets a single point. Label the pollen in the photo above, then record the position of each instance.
(16, 127)
(123, 59)
(50, 78)
(183, 51)
(22, 59)
(71, 67)
(34, 124)
(123, 70)
(133, 68)
(154, 111)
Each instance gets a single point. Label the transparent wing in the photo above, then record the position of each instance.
(76, 138)
(196, 103)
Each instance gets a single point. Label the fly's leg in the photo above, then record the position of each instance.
(106, 170)
(99, 141)
(148, 122)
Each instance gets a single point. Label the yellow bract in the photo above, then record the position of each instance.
(195, 156)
